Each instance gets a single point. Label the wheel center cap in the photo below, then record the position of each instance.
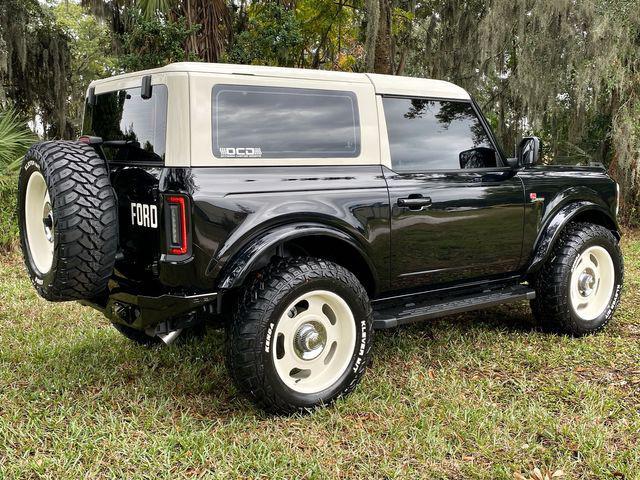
(310, 340)
(47, 221)
(586, 283)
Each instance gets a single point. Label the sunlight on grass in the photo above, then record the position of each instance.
(481, 395)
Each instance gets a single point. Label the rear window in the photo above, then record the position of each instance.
(275, 122)
(138, 125)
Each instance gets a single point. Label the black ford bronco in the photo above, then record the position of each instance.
(303, 210)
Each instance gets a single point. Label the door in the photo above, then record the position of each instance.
(456, 210)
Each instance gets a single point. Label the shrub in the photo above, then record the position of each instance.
(15, 139)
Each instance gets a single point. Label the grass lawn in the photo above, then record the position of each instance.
(479, 395)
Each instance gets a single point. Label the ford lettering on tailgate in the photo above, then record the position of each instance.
(144, 215)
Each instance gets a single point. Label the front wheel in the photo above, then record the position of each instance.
(578, 289)
(301, 336)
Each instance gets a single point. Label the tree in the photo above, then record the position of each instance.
(383, 61)
(330, 33)
(34, 65)
(304, 33)
(90, 54)
(565, 70)
(270, 35)
(152, 43)
(378, 39)
(207, 21)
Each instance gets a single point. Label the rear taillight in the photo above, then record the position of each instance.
(177, 213)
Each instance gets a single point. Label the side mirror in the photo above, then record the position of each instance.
(528, 152)
(479, 157)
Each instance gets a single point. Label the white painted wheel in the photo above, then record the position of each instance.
(39, 222)
(314, 341)
(592, 282)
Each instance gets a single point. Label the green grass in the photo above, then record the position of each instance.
(480, 395)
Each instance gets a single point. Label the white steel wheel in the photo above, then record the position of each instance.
(592, 283)
(39, 222)
(314, 341)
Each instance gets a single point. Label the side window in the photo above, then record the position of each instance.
(275, 122)
(436, 135)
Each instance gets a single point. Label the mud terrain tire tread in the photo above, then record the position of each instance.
(85, 220)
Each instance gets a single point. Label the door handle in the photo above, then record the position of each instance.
(414, 202)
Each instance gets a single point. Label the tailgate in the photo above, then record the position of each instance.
(139, 220)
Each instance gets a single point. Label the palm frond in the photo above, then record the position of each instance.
(15, 139)
(151, 8)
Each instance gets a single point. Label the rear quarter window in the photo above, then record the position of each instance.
(123, 115)
(277, 122)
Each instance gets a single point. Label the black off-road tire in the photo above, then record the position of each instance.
(85, 220)
(249, 358)
(552, 305)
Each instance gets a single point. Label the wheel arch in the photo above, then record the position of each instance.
(581, 211)
(311, 239)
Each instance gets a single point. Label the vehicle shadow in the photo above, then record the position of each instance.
(186, 378)
(189, 377)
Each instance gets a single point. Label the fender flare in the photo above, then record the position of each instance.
(550, 233)
(235, 270)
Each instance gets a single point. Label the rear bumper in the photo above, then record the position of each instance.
(142, 311)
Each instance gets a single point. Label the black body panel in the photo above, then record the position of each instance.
(471, 228)
(480, 224)
(556, 187)
(139, 244)
(233, 207)
(479, 227)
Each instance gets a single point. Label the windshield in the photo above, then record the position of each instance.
(133, 128)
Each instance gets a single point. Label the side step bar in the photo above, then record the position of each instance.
(414, 312)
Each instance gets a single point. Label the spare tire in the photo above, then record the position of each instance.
(68, 220)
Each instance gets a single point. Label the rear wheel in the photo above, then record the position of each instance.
(578, 289)
(301, 336)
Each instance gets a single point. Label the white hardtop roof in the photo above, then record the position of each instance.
(383, 84)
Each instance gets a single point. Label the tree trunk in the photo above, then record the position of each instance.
(373, 17)
(214, 18)
(382, 59)
(405, 42)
